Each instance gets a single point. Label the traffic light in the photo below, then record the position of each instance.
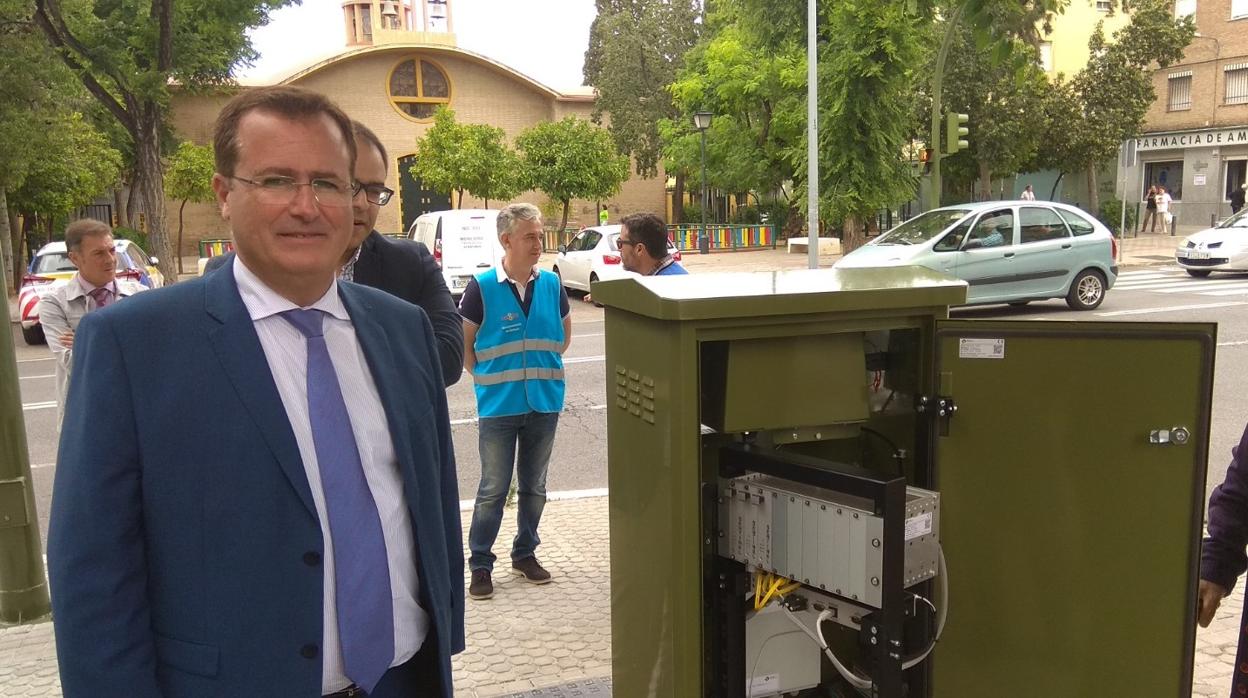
(956, 132)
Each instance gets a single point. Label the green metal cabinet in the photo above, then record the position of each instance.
(1070, 518)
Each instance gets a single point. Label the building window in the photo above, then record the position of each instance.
(1184, 8)
(1104, 5)
(1046, 56)
(1168, 174)
(1236, 83)
(418, 87)
(1239, 9)
(1180, 98)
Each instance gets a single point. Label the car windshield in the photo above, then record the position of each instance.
(1239, 220)
(923, 227)
(56, 262)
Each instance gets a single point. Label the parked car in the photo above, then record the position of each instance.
(464, 243)
(1223, 247)
(1007, 251)
(51, 268)
(593, 255)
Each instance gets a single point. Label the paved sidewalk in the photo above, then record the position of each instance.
(530, 637)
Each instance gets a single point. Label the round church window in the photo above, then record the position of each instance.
(418, 87)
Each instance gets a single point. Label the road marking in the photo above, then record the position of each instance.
(1219, 289)
(29, 406)
(468, 504)
(585, 359)
(1233, 344)
(474, 420)
(42, 375)
(1145, 311)
(29, 361)
(589, 334)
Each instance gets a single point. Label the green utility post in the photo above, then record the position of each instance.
(933, 194)
(23, 584)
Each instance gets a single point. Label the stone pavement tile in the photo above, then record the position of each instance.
(530, 636)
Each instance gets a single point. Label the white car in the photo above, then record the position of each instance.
(594, 255)
(1221, 248)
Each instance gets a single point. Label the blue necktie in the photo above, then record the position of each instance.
(364, 605)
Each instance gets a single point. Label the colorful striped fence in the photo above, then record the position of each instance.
(212, 248)
(723, 236)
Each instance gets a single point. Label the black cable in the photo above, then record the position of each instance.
(898, 454)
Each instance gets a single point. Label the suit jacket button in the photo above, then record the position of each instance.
(311, 558)
(308, 651)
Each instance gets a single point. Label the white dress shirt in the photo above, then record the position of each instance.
(285, 349)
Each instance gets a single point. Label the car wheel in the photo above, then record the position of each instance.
(34, 335)
(1087, 291)
(1199, 273)
(592, 278)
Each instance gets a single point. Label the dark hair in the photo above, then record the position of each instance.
(294, 103)
(364, 134)
(82, 228)
(649, 230)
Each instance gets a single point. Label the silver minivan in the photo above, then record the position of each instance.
(1007, 251)
(464, 243)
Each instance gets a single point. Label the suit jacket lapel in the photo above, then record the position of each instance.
(233, 337)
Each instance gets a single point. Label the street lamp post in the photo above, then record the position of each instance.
(702, 120)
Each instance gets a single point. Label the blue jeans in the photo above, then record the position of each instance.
(534, 434)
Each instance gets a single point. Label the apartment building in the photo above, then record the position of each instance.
(1195, 138)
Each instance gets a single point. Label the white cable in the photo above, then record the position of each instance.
(942, 615)
(854, 679)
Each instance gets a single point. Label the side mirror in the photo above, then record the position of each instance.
(563, 248)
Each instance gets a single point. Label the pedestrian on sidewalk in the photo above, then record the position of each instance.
(1028, 194)
(1237, 198)
(1163, 208)
(517, 324)
(256, 493)
(1150, 210)
(91, 249)
(1222, 557)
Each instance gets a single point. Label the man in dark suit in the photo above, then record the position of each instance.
(256, 493)
(402, 268)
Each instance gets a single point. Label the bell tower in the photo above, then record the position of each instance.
(379, 22)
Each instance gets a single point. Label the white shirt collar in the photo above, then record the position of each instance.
(263, 302)
(502, 274)
(80, 287)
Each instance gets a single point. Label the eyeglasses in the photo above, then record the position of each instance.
(280, 191)
(377, 194)
(622, 241)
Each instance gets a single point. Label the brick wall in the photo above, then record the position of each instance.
(481, 92)
(1223, 41)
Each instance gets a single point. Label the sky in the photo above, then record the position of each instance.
(544, 39)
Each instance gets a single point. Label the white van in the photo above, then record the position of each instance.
(464, 243)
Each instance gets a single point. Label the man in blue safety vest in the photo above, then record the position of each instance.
(516, 328)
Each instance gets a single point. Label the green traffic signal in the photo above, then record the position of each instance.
(956, 132)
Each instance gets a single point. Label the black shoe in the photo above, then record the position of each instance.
(481, 587)
(530, 570)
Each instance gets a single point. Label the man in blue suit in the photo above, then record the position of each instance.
(256, 493)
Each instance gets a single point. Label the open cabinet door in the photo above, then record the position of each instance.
(1072, 481)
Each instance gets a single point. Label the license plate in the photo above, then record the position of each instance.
(460, 282)
(1198, 255)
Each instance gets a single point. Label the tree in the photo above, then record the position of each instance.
(126, 53)
(496, 172)
(71, 170)
(572, 159)
(189, 178)
(636, 48)
(1111, 95)
(466, 158)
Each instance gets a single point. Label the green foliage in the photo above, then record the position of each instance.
(188, 173)
(74, 167)
(136, 236)
(472, 158)
(571, 159)
(1110, 213)
(635, 49)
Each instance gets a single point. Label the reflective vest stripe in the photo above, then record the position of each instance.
(518, 374)
(517, 347)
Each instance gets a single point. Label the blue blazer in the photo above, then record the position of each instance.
(184, 551)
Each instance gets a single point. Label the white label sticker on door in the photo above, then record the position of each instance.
(969, 348)
(766, 685)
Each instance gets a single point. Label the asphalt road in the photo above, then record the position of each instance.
(1162, 294)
